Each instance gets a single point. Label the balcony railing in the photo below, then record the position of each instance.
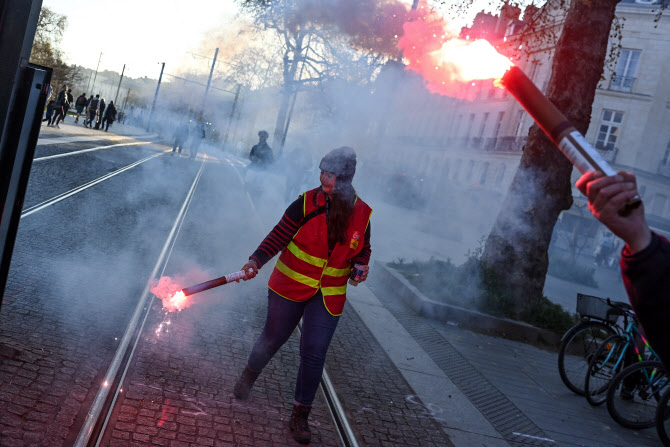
(621, 83)
(609, 154)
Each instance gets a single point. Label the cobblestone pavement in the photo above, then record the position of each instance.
(77, 268)
(80, 265)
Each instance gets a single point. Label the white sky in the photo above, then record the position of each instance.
(144, 33)
(138, 33)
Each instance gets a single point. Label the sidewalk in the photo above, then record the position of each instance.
(482, 390)
(70, 132)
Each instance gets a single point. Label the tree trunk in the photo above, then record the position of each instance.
(516, 248)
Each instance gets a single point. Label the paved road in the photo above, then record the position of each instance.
(81, 264)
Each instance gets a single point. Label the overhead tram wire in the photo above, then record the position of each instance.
(198, 83)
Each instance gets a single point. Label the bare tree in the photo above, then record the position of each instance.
(312, 50)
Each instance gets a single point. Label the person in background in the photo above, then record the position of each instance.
(101, 108)
(61, 100)
(198, 137)
(645, 259)
(50, 112)
(80, 105)
(92, 109)
(110, 116)
(322, 236)
(180, 137)
(261, 154)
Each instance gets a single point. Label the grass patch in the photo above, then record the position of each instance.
(472, 286)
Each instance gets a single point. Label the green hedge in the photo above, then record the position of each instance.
(472, 286)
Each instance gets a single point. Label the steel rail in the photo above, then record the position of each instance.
(103, 404)
(35, 208)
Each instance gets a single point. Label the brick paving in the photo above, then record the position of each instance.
(80, 266)
(76, 269)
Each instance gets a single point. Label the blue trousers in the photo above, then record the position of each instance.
(318, 327)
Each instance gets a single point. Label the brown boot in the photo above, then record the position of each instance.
(245, 382)
(299, 425)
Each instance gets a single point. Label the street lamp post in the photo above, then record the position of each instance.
(153, 105)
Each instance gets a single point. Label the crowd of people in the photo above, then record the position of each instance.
(97, 114)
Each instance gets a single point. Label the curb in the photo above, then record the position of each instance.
(464, 318)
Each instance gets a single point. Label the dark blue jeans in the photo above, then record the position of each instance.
(318, 327)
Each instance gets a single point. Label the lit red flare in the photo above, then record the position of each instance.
(445, 61)
(171, 294)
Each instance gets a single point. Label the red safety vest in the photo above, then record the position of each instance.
(304, 266)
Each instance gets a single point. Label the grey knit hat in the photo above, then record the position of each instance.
(341, 162)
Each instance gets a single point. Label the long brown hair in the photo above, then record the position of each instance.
(341, 207)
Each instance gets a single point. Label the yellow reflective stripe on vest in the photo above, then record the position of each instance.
(328, 291)
(293, 248)
(306, 280)
(332, 271)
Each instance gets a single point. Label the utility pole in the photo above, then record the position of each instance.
(96, 73)
(232, 114)
(158, 86)
(209, 81)
(117, 88)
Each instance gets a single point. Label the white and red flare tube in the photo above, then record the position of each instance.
(213, 283)
(557, 127)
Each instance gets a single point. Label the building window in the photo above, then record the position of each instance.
(501, 115)
(485, 171)
(501, 175)
(626, 68)
(666, 156)
(519, 123)
(482, 128)
(608, 129)
(471, 168)
(470, 121)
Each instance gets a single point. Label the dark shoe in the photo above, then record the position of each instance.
(298, 423)
(245, 382)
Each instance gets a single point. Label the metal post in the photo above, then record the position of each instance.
(209, 81)
(153, 105)
(119, 87)
(96, 73)
(232, 113)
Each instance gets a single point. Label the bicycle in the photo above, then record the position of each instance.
(599, 320)
(663, 418)
(613, 356)
(634, 394)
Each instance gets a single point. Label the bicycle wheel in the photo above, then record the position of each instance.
(605, 365)
(663, 418)
(633, 396)
(578, 346)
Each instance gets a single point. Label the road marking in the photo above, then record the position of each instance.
(40, 206)
(65, 154)
(142, 308)
(59, 140)
(533, 437)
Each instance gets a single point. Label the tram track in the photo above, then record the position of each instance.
(93, 429)
(46, 203)
(101, 410)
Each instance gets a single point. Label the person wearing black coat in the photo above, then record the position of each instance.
(61, 102)
(110, 116)
(102, 113)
